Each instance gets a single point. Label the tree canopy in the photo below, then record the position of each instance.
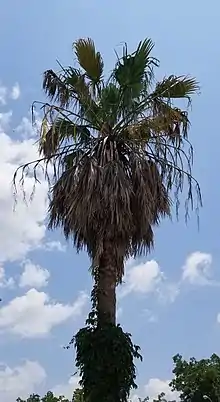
(196, 380)
(119, 149)
(50, 397)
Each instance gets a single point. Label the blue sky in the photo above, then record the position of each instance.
(44, 284)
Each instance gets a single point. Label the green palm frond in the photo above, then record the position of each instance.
(131, 68)
(176, 87)
(81, 94)
(133, 72)
(90, 60)
(61, 133)
(143, 59)
(109, 103)
(56, 88)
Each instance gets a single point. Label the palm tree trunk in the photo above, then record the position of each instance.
(106, 286)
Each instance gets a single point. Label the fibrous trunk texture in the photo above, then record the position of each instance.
(106, 286)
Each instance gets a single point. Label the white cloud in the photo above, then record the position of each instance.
(68, 388)
(5, 282)
(26, 129)
(3, 95)
(197, 269)
(143, 278)
(5, 119)
(15, 92)
(6, 94)
(33, 275)
(34, 314)
(23, 229)
(21, 380)
(54, 245)
(155, 386)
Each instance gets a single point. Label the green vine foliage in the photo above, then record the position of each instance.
(105, 360)
(104, 357)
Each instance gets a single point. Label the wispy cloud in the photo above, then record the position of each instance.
(7, 93)
(15, 92)
(3, 95)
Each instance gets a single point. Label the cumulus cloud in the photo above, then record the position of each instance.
(143, 278)
(4, 281)
(197, 269)
(26, 129)
(34, 314)
(155, 386)
(20, 380)
(147, 278)
(5, 120)
(67, 389)
(15, 92)
(24, 229)
(33, 275)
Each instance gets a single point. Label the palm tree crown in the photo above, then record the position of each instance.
(119, 149)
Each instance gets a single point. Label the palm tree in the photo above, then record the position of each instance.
(120, 153)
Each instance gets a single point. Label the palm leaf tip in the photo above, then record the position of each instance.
(177, 87)
(88, 58)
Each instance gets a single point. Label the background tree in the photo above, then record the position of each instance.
(49, 397)
(160, 398)
(197, 380)
(120, 154)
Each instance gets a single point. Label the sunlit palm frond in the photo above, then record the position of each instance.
(143, 59)
(131, 69)
(133, 72)
(89, 59)
(174, 87)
